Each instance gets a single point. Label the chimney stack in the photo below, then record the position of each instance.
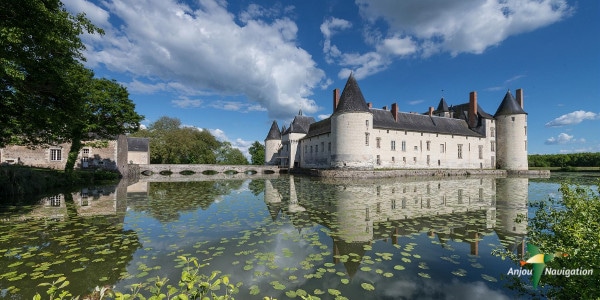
(473, 109)
(431, 111)
(370, 105)
(385, 107)
(395, 111)
(336, 98)
(520, 97)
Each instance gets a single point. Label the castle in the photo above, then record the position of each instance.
(358, 136)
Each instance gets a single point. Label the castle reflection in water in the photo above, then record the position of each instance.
(358, 212)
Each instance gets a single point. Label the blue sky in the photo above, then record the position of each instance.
(234, 67)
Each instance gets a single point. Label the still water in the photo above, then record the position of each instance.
(362, 239)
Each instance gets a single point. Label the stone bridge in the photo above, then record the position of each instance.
(201, 169)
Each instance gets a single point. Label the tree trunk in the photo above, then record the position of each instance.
(73, 153)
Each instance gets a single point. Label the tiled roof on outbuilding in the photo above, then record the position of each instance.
(138, 144)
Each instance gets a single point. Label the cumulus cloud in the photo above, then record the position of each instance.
(170, 45)
(236, 106)
(238, 143)
(563, 138)
(427, 27)
(573, 118)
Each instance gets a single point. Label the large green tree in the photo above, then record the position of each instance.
(227, 155)
(40, 53)
(172, 143)
(257, 153)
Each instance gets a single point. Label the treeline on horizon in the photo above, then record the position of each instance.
(569, 160)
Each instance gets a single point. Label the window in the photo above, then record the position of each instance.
(492, 132)
(322, 146)
(428, 145)
(378, 143)
(442, 148)
(460, 148)
(55, 154)
(366, 138)
(492, 146)
(393, 159)
(415, 159)
(85, 152)
(54, 200)
(393, 145)
(416, 148)
(525, 130)
(404, 146)
(480, 152)
(310, 149)
(305, 149)
(367, 123)
(316, 148)
(329, 146)
(428, 160)
(378, 160)
(404, 159)
(525, 145)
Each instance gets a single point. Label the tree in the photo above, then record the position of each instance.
(40, 54)
(170, 143)
(257, 153)
(227, 155)
(106, 112)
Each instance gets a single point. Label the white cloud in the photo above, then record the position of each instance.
(427, 27)
(184, 102)
(573, 118)
(238, 143)
(197, 50)
(415, 102)
(236, 106)
(563, 138)
(323, 117)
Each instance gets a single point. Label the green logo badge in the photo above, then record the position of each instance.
(539, 260)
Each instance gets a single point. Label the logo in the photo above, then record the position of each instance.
(539, 260)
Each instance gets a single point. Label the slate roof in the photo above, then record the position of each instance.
(274, 133)
(318, 128)
(300, 124)
(509, 106)
(461, 108)
(383, 119)
(443, 106)
(352, 99)
(138, 144)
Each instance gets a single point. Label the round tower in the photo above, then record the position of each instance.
(511, 133)
(272, 145)
(352, 130)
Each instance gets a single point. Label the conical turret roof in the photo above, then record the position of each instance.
(274, 133)
(352, 99)
(509, 106)
(443, 106)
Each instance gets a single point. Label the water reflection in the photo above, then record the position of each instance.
(409, 237)
(357, 213)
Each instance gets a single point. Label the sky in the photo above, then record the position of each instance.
(232, 67)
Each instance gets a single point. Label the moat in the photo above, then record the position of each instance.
(362, 239)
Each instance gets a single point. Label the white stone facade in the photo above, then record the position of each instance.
(447, 140)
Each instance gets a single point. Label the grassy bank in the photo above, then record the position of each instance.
(22, 180)
(567, 169)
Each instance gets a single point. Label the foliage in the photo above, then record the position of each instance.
(227, 155)
(172, 143)
(39, 50)
(585, 159)
(257, 153)
(568, 224)
(192, 285)
(48, 95)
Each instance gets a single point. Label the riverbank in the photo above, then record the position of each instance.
(338, 173)
(22, 180)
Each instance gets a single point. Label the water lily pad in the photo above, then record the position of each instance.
(367, 286)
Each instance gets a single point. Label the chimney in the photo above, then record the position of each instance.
(431, 111)
(520, 97)
(473, 109)
(370, 105)
(336, 98)
(385, 107)
(395, 111)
